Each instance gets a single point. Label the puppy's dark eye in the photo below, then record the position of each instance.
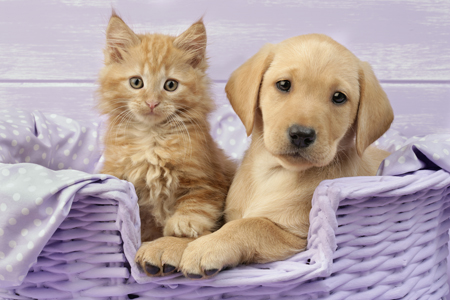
(284, 85)
(339, 98)
(136, 82)
(170, 85)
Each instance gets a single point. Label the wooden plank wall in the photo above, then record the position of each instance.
(51, 51)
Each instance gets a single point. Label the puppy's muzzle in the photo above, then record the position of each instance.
(300, 136)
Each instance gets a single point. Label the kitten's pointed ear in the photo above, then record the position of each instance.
(119, 37)
(193, 41)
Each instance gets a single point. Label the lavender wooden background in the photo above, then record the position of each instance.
(50, 51)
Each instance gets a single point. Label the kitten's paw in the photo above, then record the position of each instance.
(207, 255)
(186, 226)
(162, 256)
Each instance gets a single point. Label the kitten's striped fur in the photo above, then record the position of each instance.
(180, 175)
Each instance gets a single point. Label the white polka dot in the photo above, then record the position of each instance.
(36, 147)
(27, 159)
(74, 157)
(230, 119)
(397, 147)
(47, 181)
(436, 156)
(14, 143)
(83, 129)
(41, 233)
(86, 161)
(52, 116)
(3, 207)
(49, 210)
(66, 152)
(52, 220)
(3, 135)
(16, 197)
(32, 188)
(28, 139)
(21, 150)
(234, 155)
(54, 190)
(44, 155)
(5, 172)
(70, 140)
(401, 159)
(25, 211)
(24, 232)
(232, 142)
(94, 134)
(219, 131)
(91, 148)
(26, 179)
(22, 171)
(445, 152)
(15, 132)
(231, 128)
(80, 143)
(1, 231)
(12, 244)
(422, 139)
(21, 277)
(9, 268)
(39, 201)
(37, 222)
(61, 135)
(386, 162)
(60, 165)
(68, 121)
(19, 257)
(2, 255)
(30, 245)
(12, 221)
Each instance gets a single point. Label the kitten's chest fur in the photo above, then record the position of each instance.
(150, 158)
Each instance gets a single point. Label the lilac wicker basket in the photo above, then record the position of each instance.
(379, 237)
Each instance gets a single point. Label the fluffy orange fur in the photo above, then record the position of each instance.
(157, 130)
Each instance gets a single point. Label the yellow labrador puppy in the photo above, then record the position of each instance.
(313, 109)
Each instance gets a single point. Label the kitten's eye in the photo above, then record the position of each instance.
(171, 85)
(284, 85)
(339, 98)
(136, 82)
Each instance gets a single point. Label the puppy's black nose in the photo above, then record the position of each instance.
(301, 136)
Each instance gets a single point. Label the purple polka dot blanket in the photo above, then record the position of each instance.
(49, 163)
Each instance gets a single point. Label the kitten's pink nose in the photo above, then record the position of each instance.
(152, 105)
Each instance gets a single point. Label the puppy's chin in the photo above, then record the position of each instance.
(299, 163)
(294, 163)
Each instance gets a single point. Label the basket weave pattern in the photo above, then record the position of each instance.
(389, 244)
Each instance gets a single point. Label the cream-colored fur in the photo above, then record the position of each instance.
(268, 204)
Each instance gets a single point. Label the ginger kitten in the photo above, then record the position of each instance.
(155, 92)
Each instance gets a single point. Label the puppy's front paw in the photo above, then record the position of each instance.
(186, 226)
(162, 256)
(207, 255)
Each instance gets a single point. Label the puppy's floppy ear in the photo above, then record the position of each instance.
(119, 37)
(243, 86)
(375, 113)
